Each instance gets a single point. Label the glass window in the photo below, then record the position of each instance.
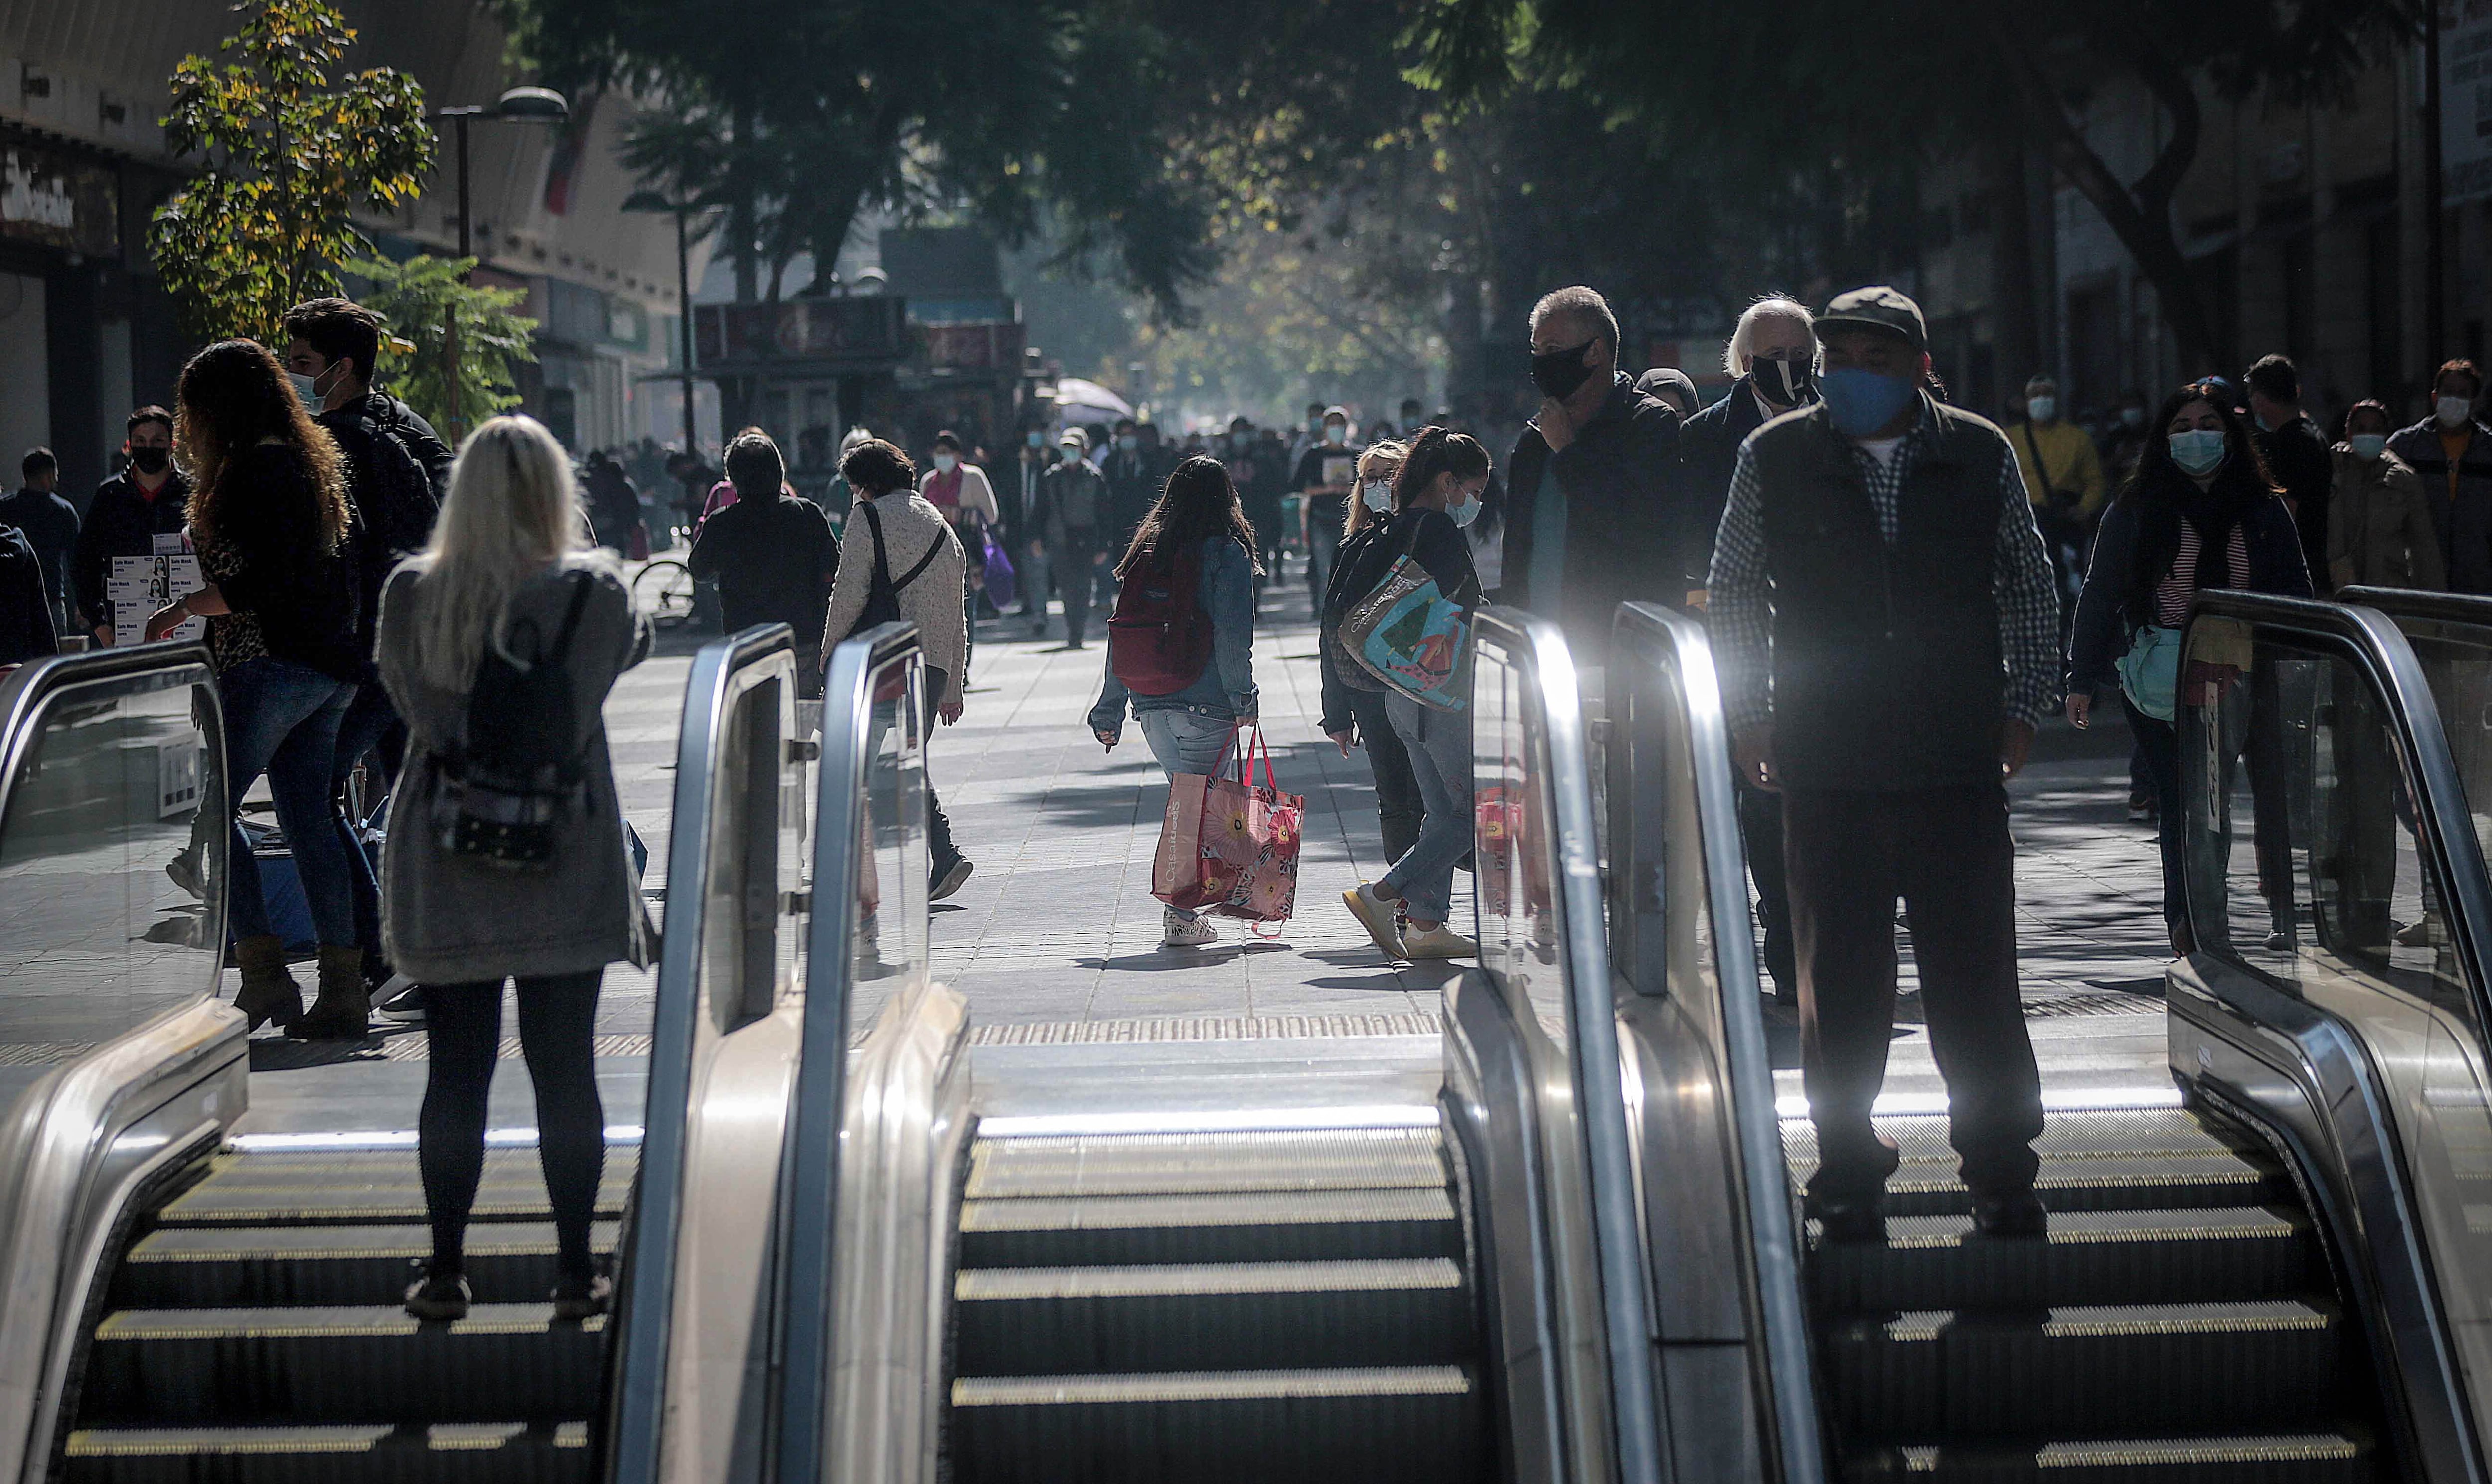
(888, 946)
(1515, 841)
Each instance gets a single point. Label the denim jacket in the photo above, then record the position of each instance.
(1227, 687)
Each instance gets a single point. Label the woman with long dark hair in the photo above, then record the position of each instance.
(1198, 535)
(1435, 495)
(2200, 512)
(276, 539)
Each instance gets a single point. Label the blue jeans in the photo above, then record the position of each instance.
(1440, 744)
(282, 719)
(1187, 742)
(368, 719)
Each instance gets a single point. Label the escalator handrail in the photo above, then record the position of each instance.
(822, 1076)
(644, 1323)
(1680, 643)
(2420, 602)
(1617, 1232)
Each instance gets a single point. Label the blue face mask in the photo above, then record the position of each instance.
(1862, 401)
(2199, 452)
(1466, 513)
(2368, 445)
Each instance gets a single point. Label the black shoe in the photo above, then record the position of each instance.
(2015, 1213)
(948, 878)
(403, 1004)
(577, 1298)
(442, 1297)
(1849, 1218)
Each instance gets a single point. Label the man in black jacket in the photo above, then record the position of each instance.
(49, 525)
(1589, 486)
(26, 630)
(145, 501)
(2295, 452)
(336, 342)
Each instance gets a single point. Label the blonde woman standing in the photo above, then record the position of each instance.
(505, 573)
(1354, 704)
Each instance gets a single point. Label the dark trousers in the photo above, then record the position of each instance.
(372, 722)
(1077, 577)
(1761, 825)
(1399, 809)
(1946, 853)
(557, 1035)
(2159, 748)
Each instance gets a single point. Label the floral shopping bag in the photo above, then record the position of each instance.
(1229, 845)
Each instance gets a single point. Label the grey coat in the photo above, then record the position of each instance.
(448, 920)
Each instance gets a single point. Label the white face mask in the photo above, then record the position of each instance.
(2042, 409)
(2367, 445)
(945, 464)
(1379, 496)
(2451, 410)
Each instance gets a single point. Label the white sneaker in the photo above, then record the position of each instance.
(1375, 914)
(1439, 943)
(1177, 930)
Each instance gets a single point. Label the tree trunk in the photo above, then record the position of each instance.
(2016, 350)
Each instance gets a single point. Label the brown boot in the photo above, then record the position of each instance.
(344, 1009)
(268, 991)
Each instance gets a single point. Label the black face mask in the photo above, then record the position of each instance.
(149, 461)
(1560, 372)
(1785, 383)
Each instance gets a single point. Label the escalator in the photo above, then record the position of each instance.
(2252, 1285)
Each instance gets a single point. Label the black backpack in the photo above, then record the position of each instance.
(882, 594)
(516, 769)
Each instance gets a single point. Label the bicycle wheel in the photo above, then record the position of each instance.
(664, 590)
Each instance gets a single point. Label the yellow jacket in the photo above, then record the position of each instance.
(2070, 466)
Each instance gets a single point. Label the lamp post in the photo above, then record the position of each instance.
(682, 212)
(519, 105)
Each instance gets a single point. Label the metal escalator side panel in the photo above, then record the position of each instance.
(2359, 1044)
(869, 851)
(693, 1324)
(1730, 1309)
(112, 1039)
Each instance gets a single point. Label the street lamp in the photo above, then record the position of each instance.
(682, 212)
(519, 105)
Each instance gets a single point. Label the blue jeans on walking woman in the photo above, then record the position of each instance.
(282, 719)
(1440, 744)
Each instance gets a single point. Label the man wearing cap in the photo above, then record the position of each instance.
(1073, 511)
(1887, 630)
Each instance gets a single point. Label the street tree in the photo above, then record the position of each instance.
(1783, 85)
(288, 151)
(418, 301)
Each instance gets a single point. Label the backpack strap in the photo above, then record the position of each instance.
(881, 557)
(580, 583)
(923, 562)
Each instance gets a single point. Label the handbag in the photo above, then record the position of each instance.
(1229, 846)
(1408, 634)
(1001, 581)
(2149, 673)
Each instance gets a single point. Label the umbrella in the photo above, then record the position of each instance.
(1087, 402)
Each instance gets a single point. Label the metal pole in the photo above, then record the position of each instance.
(684, 303)
(463, 251)
(450, 330)
(2435, 271)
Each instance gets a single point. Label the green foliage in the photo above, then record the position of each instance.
(418, 299)
(287, 158)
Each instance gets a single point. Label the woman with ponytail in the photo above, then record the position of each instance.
(1434, 495)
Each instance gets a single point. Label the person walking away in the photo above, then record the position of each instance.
(503, 579)
(278, 545)
(959, 489)
(1772, 352)
(1026, 533)
(147, 499)
(1353, 700)
(26, 630)
(1073, 515)
(614, 504)
(1588, 524)
(2380, 528)
(1883, 614)
(1434, 495)
(2451, 452)
(1196, 538)
(2063, 478)
(771, 552)
(898, 546)
(2202, 512)
(50, 526)
(1322, 480)
(2295, 452)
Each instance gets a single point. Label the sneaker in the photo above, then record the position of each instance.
(1375, 913)
(2281, 940)
(2141, 810)
(400, 1000)
(184, 869)
(948, 879)
(2423, 932)
(1437, 943)
(1848, 1219)
(577, 1298)
(1181, 932)
(438, 1296)
(2012, 1213)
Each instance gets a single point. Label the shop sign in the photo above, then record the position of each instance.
(862, 329)
(59, 203)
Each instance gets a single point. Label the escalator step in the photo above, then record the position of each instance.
(2089, 1258)
(514, 1190)
(2152, 1182)
(1185, 1164)
(2118, 1133)
(231, 1268)
(367, 1454)
(1211, 1317)
(2305, 1458)
(2057, 1373)
(341, 1364)
(1421, 1424)
(1256, 1226)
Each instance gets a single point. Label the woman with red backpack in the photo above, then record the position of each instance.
(1181, 645)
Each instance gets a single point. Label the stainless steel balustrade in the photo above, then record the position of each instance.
(117, 1060)
(696, 1318)
(2321, 803)
(1736, 1393)
(1534, 1088)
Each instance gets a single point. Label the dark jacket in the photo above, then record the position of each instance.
(2107, 606)
(1074, 487)
(25, 617)
(1616, 476)
(2296, 455)
(1362, 561)
(775, 561)
(1708, 454)
(121, 520)
(1131, 490)
(2466, 522)
(267, 562)
(413, 433)
(50, 526)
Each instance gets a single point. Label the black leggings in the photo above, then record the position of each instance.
(463, 1022)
